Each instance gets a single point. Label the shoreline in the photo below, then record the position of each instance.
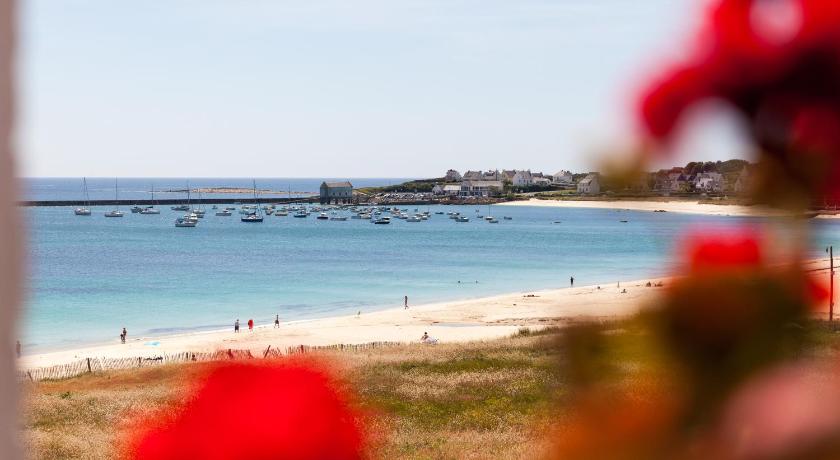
(475, 319)
(483, 318)
(672, 205)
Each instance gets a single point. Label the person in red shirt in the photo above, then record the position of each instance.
(250, 325)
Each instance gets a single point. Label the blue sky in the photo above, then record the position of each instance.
(367, 88)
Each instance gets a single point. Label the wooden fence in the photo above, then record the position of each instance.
(90, 365)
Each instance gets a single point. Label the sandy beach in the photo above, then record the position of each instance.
(680, 206)
(457, 321)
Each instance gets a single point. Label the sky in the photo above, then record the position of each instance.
(337, 88)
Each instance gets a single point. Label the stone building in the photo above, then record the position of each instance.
(336, 192)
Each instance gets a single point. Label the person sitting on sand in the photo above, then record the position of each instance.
(428, 339)
(251, 325)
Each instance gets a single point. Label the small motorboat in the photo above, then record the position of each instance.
(183, 207)
(301, 214)
(281, 213)
(323, 216)
(440, 213)
(114, 213)
(186, 221)
(507, 218)
(150, 210)
(493, 220)
(252, 218)
(382, 221)
(414, 219)
(339, 218)
(462, 219)
(136, 209)
(224, 213)
(82, 212)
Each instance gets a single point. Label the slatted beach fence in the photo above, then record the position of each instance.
(96, 364)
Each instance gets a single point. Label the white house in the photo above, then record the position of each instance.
(522, 179)
(447, 189)
(453, 176)
(541, 181)
(709, 182)
(483, 188)
(563, 177)
(589, 185)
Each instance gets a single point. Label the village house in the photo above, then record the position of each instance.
(522, 179)
(563, 177)
(480, 188)
(447, 189)
(709, 182)
(336, 192)
(491, 176)
(472, 175)
(452, 176)
(589, 185)
(541, 181)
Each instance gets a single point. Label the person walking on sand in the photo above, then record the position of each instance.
(277, 321)
(17, 348)
(572, 281)
(406, 302)
(236, 325)
(251, 325)
(123, 335)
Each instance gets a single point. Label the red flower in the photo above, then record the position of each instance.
(255, 411)
(778, 64)
(715, 250)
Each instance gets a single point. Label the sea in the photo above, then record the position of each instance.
(88, 277)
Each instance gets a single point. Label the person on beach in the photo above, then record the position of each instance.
(236, 325)
(17, 348)
(406, 302)
(572, 281)
(426, 338)
(277, 321)
(124, 335)
(251, 325)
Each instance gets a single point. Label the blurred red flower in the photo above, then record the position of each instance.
(777, 62)
(255, 411)
(715, 250)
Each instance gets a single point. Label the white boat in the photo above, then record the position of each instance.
(323, 216)
(136, 209)
(382, 220)
(339, 218)
(256, 215)
(185, 222)
(224, 213)
(462, 219)
(116, 211)
(301, 214)
(493, 220)
(281, 213)
(182, 207)
(84, 210)
(151, 209)
(414, 219)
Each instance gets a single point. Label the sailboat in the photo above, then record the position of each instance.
(255, 215)
(183, 207)
(116, 211)
(84, 210)
(151, 209)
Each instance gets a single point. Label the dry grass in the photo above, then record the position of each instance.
(477, 400)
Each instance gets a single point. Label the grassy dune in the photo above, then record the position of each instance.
(476, 400)
(492, 399)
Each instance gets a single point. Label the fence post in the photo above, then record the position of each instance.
(266, 351)
(88, 363)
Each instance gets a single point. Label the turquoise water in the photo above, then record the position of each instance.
(91, 276)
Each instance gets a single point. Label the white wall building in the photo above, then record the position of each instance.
(522, 179)
(589, 185)
(563, 177)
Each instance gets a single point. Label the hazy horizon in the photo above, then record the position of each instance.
(327, 89)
